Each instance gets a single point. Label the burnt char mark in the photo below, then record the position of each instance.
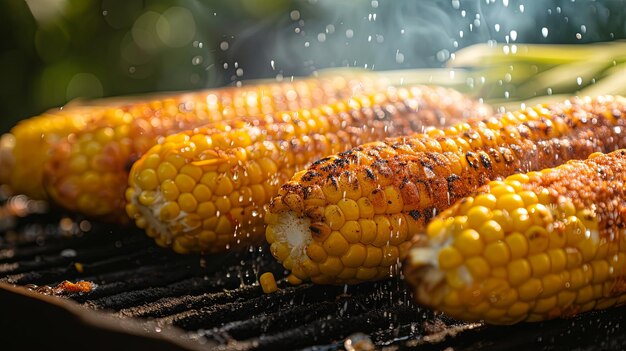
(310, 176)
(484, 159)
(472, 160)
(320, 161)
(333, 180)
(451, 179)
(370, 174)
(341, 162)
(404, 182)
(382, 166)
(426, 165)
(415, 214)
(429, 213)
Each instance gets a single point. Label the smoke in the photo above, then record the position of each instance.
(400, 34)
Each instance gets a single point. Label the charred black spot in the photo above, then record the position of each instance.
(315, 230)
(341, 162)
(426, 164)
(320, 161)
(404, 182)
(346, 153)
(415, 214)
(485, 160)
(429, 213)
(310, 175)
(389, 202)
(333, 181)
(472, 160)
(370, 174)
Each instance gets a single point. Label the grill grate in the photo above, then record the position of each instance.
(217, 300)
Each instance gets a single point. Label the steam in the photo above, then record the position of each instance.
(401, 34)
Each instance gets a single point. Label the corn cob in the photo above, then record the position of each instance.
(83, 160)
(24, 151)
(349, 217)
(204, 190)
(532, 247)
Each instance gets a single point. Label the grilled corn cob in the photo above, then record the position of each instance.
(532, 247)
(204, 190)
(24, 151)
(84, 160)
(350, 217)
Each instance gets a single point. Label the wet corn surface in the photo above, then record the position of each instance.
(217, 299)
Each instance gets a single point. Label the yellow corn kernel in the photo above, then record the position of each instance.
(477, 216)
(491, 231)
(469, 243)
(519, 271)
(147, 179)
(349, 208)
(351, 231)
(449, 258)
(478, 267)
(334, 217)
(268, 283)
(355, 256)
(366, 209)
(368, 230)
(184, 183)
(497, 253)
(540, 264)
(332, 266)
(169, 211)
(487, 200)
(187, 202)
(169, 189)
(336, 245)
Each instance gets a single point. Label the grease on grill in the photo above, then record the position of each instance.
(64, 288)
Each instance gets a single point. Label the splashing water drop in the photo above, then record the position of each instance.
(579, 80)
(544, 32)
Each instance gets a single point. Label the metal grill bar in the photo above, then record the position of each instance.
(217, 299)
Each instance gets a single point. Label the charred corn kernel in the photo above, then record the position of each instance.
(564, 263)
(429, 180)
(239, 166)
(43, 154)
(268, 283)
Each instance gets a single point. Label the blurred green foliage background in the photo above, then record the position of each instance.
(54, 51)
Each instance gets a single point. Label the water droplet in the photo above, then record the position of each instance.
(349, 33)
(224, 45)
(513, 35)
(544, 32)
(196, 60)
(321, 37)
(294, 15)
(399, 57)
(579, 80)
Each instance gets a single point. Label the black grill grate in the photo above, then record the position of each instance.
(217, 299)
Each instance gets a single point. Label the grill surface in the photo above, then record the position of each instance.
(217, 301)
